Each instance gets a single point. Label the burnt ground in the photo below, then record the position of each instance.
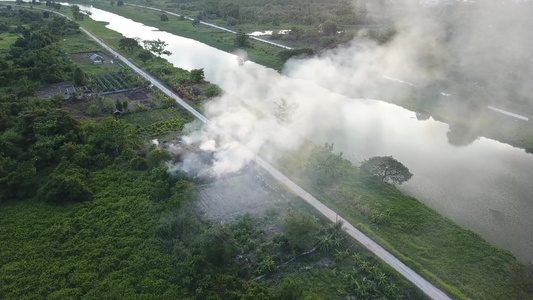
(78, 107)
(134, 97)
(249, 192)
(63, 88)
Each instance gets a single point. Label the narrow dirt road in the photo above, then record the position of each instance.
(386, 256)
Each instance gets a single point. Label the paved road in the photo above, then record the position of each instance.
(212, 25)
(146, 76)
(387, 257)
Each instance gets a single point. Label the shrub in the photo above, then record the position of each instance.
(93, 110)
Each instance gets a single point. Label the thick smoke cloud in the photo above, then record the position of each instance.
(478, 53)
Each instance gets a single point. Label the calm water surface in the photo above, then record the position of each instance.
(486, 186)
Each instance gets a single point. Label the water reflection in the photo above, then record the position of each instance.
(483, 185)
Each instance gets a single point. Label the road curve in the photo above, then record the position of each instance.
(426, 287)
(212, 25)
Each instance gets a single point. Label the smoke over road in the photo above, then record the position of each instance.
(472, 55)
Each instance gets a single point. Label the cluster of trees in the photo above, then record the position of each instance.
(38, 136)
(36, 57)
(154, 46)
(275, 11)
(51, 4)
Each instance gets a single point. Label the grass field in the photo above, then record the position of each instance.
(79, 43)
(6, 39)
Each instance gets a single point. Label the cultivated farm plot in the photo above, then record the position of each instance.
(105, 83)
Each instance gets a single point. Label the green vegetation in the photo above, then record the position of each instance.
(115, 81)
(35, 58)
(458, 260)
(89, 211)
(258, 52)
(158, 123)
(386, 168)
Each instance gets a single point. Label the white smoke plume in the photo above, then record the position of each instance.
(463, 50)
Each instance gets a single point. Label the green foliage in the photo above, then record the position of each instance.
(157, 158)
(213, 91)
(37, 56)
(401, 224)
(386, 168)
(144, 55)
(110, 136)
(241, 39)
(289, 289)
(164, 18)
(120, 3)
(300, 229)
(301, 52)
(93, 110)
(156, 46)
(79, 77)
(329, 28)
(197, 75)
(67, 183)
(129, 44)
(108, 106)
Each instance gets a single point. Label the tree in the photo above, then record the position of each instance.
(144, 55)
(93, 110)
(109, 106)
(128, 44)
(301, 52)
(164, 18)
(158, 157)
(120, 3)
(118, 105)
(241, 39)
(78, 16)
(300, 229)
(387, 168)
(197, 75)
(79, 76)
(67, 183)
(156, 46)
(112, 3)
(329, 28)
(57, 6)
(75, 9)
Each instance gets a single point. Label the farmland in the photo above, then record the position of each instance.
(113, 82)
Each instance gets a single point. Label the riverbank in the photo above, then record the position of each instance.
(100, 216)
(258, 52)
(466, 123)
(444, 265)
(458, 260)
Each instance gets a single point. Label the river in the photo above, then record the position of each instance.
(485, 186)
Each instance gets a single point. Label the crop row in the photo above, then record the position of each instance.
(110, 82)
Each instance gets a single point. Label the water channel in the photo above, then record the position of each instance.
(485, 186)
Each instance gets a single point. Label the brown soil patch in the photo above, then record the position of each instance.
(62, 88)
